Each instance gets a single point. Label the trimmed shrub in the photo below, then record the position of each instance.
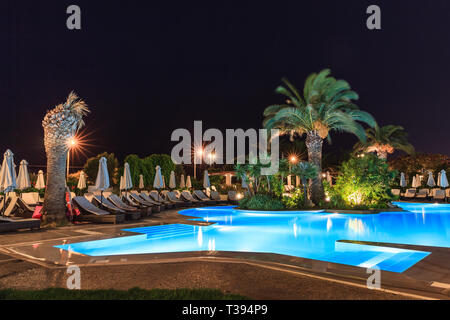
(261, 202)
(363, 182)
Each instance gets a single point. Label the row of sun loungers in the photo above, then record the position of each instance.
(423, 194)
(107, 207)
(17, 214)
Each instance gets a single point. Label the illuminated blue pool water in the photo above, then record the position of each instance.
(312, 235)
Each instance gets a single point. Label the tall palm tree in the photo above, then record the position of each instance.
(385, 140)
(326, 105)
(60, 124)
(306, 171)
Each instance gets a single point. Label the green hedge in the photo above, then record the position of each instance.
(261, 202)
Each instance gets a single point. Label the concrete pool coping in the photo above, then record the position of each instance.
(429, 278)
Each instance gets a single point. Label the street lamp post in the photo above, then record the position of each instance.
(199, 152)
(212, 156)
(72, 143)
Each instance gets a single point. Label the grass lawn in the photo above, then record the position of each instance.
(132, 294)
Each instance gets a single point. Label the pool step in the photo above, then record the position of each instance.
(367, 256)
(166, 231)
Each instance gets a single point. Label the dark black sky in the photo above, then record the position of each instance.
(148, 68)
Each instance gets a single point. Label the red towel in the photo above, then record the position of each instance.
(37, 214)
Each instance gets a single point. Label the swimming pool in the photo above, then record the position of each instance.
(312, 235)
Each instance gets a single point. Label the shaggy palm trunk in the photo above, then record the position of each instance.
(305, 193)
(54, 201)
(382, 155)
(314, 145)
(60, 124)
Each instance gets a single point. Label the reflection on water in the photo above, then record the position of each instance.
(200, 237)
(356, 226)
(313, 235)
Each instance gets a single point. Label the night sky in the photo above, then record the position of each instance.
(148, 68)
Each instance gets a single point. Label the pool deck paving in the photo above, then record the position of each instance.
(29, 260)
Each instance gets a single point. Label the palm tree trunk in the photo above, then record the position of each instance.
(382, 154)
(314, 145)
(54, 200)
(305, 193)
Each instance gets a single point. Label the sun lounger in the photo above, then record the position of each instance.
(447, 194)
(89, 196)
(232, 197)
(23, 209)
(157, 205)
(410, 193)
(122, 205)
(202, 197)
(186, 195)
(395, 192)
(145, 209)
(177, 194)
(422, 194)
(138, 199)
(175, 202)
(93, 214)
(216, 197)
(109, 206)
(439, 195)
(31, 198)
(433, 191)
(173, 198)
(156, 197)
(9, 224)
(11, 206)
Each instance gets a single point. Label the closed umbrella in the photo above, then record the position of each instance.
(289, 180)
(418, 181)
(158, 183)
(164, 182)
(182, 184)
(206, 183)
(81, 181)
(188, 182)
(439, 179)
(443, 180)
(7, 175)
(23, 179)
(414, 182)
(121, 186)
(102, 181)
(40, 184)
(430, 181)
(141, 181)
(402, 180)
(127, 182)
(172, 182)
(297, 181)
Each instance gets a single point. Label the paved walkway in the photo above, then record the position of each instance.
(29, 260)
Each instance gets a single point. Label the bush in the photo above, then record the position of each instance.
(296, 200)
(261, 202)
(363, 182)
(31, 189)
